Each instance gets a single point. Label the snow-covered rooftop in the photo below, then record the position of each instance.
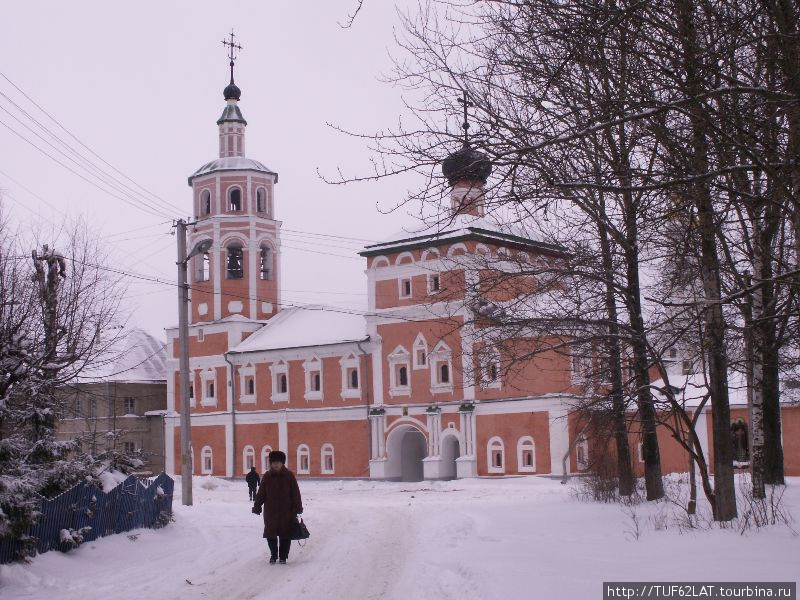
(232, 163)
(693, 388)
(459, 227)
(303, 326)
(127, 355)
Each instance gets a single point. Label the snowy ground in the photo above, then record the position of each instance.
(466, 539)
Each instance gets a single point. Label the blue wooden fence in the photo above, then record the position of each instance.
(87, 512)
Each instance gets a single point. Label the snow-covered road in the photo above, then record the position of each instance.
(467, 539)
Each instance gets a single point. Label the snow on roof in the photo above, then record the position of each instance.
(129, 355)
(692, 389)
(302, 326)
(232, 163)
(460, 226)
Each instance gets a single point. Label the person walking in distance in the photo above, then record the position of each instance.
(279, 494)
(252, 482)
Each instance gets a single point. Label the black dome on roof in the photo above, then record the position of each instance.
(466, 164)
(232, 92)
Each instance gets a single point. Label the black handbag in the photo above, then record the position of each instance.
(299, 531)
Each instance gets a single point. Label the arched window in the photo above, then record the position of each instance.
(441, 362)
(206, 460)
(495, 456)
(265, 450)
(353, 379)
(202, 267)
(251, 386)
(205, 202)
(266, 262)
(235, 262)
(402, 376)
(444, 373)
(235, 199)
(420, 352)
(282, 387)
(303, 460)
(526, 455)
(261, 200)
(328, 465)
(248, 458)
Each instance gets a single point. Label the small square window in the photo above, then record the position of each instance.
(405, 288)
(129, 447)
(686, 367)
(434, 284)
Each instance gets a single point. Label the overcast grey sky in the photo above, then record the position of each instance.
(141, 85)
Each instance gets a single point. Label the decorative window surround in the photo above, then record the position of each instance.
(434, 283)
(313, 371)
(495, 456)
(441, 363)
(248, 458)
(350, 364)
(581, 371)
(490, 369)
(526, 455)
(265, 450)
(420, 352)
(404, 287)
(206, 460)
(303, 460)
(209, 387)
(278, 369)
(327, 461)
(398, 360)
(247, 375)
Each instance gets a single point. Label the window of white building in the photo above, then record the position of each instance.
(399, 384)
(441, 362)
(313, 370)
(280, 381)
(265, 450)
(420, 352)
(248, 458)
(209, 378)
(351, 376)
(206, 460)
(327, 462)
(247, 384)
(526, 455)
(495, 455)
(303, 460)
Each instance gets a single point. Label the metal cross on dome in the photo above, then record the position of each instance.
(465, 126)
(232, 49)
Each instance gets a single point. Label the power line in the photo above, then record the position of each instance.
(73, 136)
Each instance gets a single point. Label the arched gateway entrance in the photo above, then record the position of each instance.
(405, 448)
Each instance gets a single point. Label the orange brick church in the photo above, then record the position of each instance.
(396, 392)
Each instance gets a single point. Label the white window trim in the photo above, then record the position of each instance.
(244, 373)
(398, 358)
(248, 450)
(420, 344)
(495, 443)
(265, 450)
(526, 443)
(488, 358)
(580, 365)
(312, 365)
(301, 449)
(278, 368)
(327, 449)
(441, 353)
(429, 278)
(350, 362)
(206, 451)
(209, 376)
(400, 292)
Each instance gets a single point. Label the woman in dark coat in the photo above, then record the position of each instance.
(279, 494)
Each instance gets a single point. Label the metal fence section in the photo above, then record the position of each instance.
(86, 512)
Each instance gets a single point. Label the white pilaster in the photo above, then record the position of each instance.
(229, 449)
(559, 439)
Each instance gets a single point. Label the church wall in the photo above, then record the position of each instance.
(349, 440)
(510, 427)
(255, 435)
(203, 435)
